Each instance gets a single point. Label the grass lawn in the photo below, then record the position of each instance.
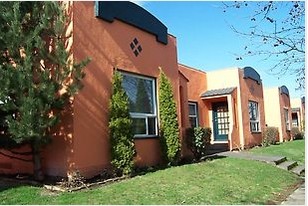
(220, 181)
(293, 150)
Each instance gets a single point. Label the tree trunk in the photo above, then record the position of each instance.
(37, 166)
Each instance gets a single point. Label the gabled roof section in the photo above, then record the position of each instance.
(132, 14)
(284, 90)
(191, 68)
(251, 73)
(218, 92)
(181, 73)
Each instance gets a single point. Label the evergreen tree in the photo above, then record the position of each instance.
(121, 130)
(169, 127)
(37, 76)
(142, 99)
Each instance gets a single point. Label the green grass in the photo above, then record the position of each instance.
(293, 150)
(220, 181)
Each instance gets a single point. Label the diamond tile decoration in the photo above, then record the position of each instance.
(135, 47)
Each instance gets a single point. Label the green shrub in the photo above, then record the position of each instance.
(296, 134)
(270, 136)
(169, 127)
(121, 130)
(197, 140)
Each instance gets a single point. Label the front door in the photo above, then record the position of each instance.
(220, 121)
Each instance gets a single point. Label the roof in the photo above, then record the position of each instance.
(181, 73)
(189, 67)
(218, 92)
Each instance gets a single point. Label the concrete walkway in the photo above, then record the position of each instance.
(274, 160)
(296, 198)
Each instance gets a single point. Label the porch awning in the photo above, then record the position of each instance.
(296, 109)
(218, 92)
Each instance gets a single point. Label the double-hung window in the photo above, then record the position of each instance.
(286, 118)
(142, 104)
(193, 114)
(254, 116)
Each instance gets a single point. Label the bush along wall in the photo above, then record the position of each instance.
(296, 133)
(121, 131)
(197, 140)
(270, 136)
(169, 127)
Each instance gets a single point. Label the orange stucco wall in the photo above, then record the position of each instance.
(196, 86)
(10, 165)
(108, 45)
(81, 141)
(251, 91)
(285, 104)
(183, 107)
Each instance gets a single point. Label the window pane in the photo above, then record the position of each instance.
(140, 93)
(139, 126)
(192, 121)
(152, 125)
(192, 109)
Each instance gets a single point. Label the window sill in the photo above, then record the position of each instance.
(146, 137)
(256, 132)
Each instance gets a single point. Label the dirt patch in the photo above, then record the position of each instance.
(283, 195)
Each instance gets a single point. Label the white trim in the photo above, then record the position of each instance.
(231, 118)
(257, 120)
(217, 142)
(214, 97)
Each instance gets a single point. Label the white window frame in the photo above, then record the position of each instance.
(255, 122)
(195, 116)
(286, 118)
(145, 116)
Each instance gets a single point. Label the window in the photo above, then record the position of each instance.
(193, 114)
(294, 120)
(142, 104)
(286, 118)
(254, 116)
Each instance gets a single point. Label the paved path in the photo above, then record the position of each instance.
(297, 197)
(250, 156)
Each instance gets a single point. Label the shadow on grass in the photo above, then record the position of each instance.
(8, 182)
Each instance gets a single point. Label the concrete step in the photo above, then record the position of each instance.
(299, 169)
(217, 148)
(287, 165)
(279, 160)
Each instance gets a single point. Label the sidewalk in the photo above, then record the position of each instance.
(297, 197)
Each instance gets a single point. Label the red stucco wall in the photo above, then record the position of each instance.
(251, 91)
(108, 44)
(284, 101)
(196, 86)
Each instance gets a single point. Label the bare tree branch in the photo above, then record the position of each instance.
(277, 31)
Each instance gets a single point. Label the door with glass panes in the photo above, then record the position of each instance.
(220, 121)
